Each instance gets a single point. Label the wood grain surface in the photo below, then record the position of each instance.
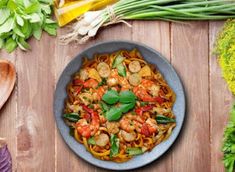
(27, 120)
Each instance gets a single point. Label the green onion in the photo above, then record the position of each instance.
(169, 10)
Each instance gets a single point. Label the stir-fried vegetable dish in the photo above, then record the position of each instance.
(119, 106)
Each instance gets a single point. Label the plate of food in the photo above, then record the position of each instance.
(119, 105)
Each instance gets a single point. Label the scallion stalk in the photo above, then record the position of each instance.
(168, 10)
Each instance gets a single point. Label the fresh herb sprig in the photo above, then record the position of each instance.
(229, 143)
(126, 99)
(21, 19)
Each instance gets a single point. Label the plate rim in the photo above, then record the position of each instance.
(134, 44)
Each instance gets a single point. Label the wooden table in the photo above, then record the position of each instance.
(28, 123)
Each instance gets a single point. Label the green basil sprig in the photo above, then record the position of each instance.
(161, 119)
(114, 145)
(74, 117)
(117, 63)
(111, 97)
(134, 151)
(21, 19)
(127, 101)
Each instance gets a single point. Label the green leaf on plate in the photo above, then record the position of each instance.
(126, 97)
(4, 14)
(111, 97)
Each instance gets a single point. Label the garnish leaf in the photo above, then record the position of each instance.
(161, 119)
(134, 151)
(118, 60)
(91, 140)
(111, 97)
(127, 97)
(113, 114)
(114, 145)
(121, 70)
(74, 117)
(127, 107)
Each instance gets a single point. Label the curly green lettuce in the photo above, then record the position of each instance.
(225, 48)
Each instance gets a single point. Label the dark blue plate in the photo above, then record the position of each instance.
(151, 56)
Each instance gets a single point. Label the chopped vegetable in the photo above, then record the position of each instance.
(134, 79)
(92, 73)
(143, 109)
(161, 119)
(118, 60)
(121, 70)
(144, 103)
(111, 97)
(114, 145)
(91, 140)
(134, 66)
(229, 143)
(145, 71)
(72, 117)
(103, 69)
(134, 151)
(5, 157)
(22, 19)
(126, 97)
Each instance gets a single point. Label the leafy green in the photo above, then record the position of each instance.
(121, 70)
(126, 107)
(91, 140)
(103, 82)
(161, 119)
(126, 97)
(114, 145)
(21, 19)
(111, 97)
(134, 151)
(144, 103)
(113, 114)
(127, 101)
(74, 117)
(118, 60)
(104, 106)
(229, 143)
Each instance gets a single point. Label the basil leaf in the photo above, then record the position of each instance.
(111, 97)
(74, 117)
(104, 106)
(37, 31)
(4, 13)
(91, 140)
(7, 26)
(10, 45)
(113, 114)
(103, 82)
(23, 44)
(118, 60)
(3, 3)
(114, 145)
(144, 103)
(19, 20)
(127, 107)
(17, 31)
(34, 18)
(50, 29)
(27, 29)
(134, 151)
(32, 8)
(161, 119)
(121, 70)
(126, 97)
